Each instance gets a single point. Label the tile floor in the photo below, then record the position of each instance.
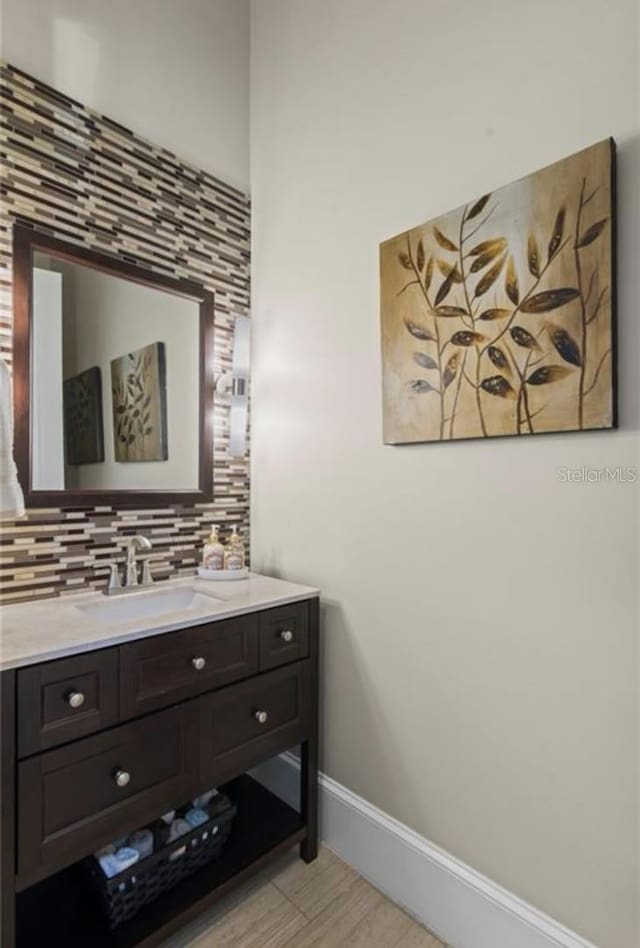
(323, 905)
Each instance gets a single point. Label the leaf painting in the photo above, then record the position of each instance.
(466, 338)
(547, 374)
(522, 337)
(444, 241)
(591, 233)
(420, 332)
(558, 233)
(533, 256)
(549, 299)
(493, 247)
(428, 274)
(138, 389)
(499, 386)
(565, 345)
(424, 360)
(486, 282)
(420, 386)
(497, 313)
(479, 205)
(511, 284)
(450, 370)
(498, 358)
(497, 318)
(445, 287)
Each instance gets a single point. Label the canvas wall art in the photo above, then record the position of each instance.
(498, 318)
(139, 394)
(82, 411)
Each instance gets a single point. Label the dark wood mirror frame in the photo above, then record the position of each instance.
(26, 241)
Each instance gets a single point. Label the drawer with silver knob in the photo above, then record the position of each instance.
(96, 788)
(284, 635)
(66, 699)
(244, 723)
(163, 669)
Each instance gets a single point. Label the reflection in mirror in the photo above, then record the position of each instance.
(115, 382)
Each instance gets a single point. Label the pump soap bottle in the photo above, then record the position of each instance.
(213, 551)
(234, 552)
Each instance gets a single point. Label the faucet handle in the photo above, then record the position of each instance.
(114, 578)
(147, 578)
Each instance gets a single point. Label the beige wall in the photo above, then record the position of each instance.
(481, 617)
(175, 71)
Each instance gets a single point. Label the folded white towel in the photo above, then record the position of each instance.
(142, 842)
(115, 864)
(178, 828)
(109, 850)
(11, 499)
(196, 817)
(205, 799)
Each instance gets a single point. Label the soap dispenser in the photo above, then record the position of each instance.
(234, 552)
(213, 554)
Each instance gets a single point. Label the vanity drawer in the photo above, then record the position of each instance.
(167, 668)
(243, 724)
(77, 798)
(66, 699)
(284, 635)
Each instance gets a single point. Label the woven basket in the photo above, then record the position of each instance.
(123, 896)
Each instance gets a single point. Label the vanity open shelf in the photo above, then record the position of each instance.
(63, 911)
(99, 743)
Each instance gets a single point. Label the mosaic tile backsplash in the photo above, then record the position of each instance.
(79, 176)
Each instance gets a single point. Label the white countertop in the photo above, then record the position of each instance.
(55, 628)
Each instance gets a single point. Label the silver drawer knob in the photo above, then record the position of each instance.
(122, 778)
(75, 699)
(286, 635)
(198, 663)
(261, 717)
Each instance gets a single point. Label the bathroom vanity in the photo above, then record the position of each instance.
(117, 710)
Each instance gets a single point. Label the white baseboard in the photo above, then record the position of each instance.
(461, 906)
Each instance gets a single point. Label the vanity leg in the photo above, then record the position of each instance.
(309, 797)
(309, 748)
(7, 810)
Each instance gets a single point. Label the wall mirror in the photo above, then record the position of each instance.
(113, 379)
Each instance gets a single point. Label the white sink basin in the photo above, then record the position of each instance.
(145, 605)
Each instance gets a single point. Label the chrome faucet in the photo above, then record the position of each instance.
(131, 582)
(138, 542)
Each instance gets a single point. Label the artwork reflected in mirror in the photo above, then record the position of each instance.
(139, 396)
(498, 318)
(83, 428)
(91, 326)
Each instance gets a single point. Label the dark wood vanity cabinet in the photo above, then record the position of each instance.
(99, 744)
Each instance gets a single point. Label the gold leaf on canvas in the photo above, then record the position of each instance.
(477, 297)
